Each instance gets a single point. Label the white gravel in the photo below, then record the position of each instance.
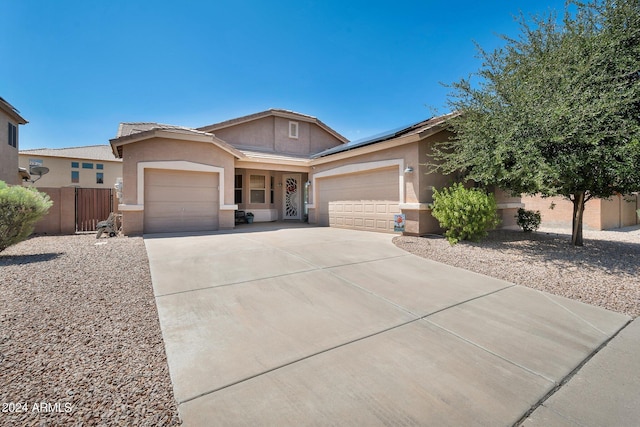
(80, 341)
(604, 272)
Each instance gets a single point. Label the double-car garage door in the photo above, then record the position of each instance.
(376, 185)
(180, 201)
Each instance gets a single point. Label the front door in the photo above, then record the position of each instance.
(292, 196)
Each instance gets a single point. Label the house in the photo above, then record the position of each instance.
(279, 165)
(92, 166)
(599, 214)
(10, 120)
(79, 182)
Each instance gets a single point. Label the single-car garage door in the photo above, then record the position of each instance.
(180, 201)
(375, 185)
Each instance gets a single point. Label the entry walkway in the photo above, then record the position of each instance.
(324, 326)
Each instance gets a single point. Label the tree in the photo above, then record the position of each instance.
(556, 111)
(20, 209)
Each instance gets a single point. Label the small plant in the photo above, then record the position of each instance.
(528, 220)
(20, 209)
(465, 213)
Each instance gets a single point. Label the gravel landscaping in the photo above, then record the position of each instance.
(80, 341)
(604, 272)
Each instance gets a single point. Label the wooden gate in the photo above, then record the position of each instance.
(92, 206)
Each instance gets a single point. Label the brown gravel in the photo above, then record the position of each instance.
(604, 272)
(80, 342)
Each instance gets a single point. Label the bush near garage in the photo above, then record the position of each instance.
(465, 213)
(20, 209)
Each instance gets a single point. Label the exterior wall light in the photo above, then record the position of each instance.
(409, 169)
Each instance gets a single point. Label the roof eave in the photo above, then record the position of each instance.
(365, 149)
(12, 112)
(117, 143)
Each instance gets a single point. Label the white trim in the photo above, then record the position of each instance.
(361, 167)
(414, 206)
(130, 208)
(512, 205)
(182, 165)
(295, 125)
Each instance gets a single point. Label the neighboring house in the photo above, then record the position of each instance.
(79, 182)
(599, 214)
(10, 120)
(279, 165)
(92, 166)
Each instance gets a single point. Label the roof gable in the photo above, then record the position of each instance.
(288, 114)
(133, 132)
(12, 112)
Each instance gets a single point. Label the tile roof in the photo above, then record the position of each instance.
(128, 132)
(89, 152)
(126, 129)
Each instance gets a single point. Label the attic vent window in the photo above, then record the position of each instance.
(293, 130)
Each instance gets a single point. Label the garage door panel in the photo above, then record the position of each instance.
(173, 209)
(367, 199)
(206, 194)
(374, 185)
(180, 201)
(156, 225)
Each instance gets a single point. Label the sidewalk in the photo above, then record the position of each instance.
(603, 392)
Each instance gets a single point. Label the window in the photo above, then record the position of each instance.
(99, 166)
(75, 177)
(99, 178)
(272, 198)
(258, 189)
(293, 130)
(75, 164)
(87, 166)
(13, 135)
(238, 187)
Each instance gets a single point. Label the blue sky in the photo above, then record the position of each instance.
(76, 69)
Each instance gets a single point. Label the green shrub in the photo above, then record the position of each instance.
(528, 220)
(20, 209)
(465, 214)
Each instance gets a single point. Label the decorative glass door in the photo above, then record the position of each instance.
(292, 192)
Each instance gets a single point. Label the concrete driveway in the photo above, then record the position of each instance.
(324, 326)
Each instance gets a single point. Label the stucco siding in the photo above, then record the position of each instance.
(320, 140)
(8, 154)
(60, 171)
(257, 134)
(172, 154)
(272, 134)
(562, 212)
(159, 149)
